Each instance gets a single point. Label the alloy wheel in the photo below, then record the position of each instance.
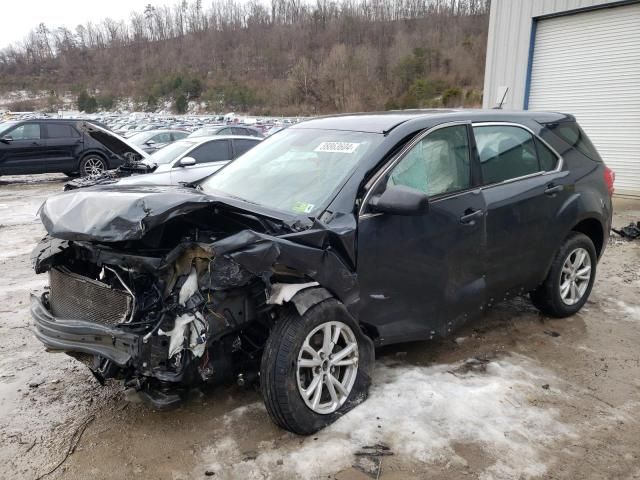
(327, 367)
(575, 276)
(93, 166)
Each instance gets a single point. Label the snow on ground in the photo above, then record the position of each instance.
(631, 312)
(420, 413)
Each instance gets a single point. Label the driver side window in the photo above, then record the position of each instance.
(27, 131)
(436, 165)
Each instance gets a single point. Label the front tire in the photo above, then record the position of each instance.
(570, 279)
(92, 165)
(315, 367)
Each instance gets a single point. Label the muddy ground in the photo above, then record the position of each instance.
(512, 395)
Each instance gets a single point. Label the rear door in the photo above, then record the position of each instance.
(64, 144)
(209, 158)
(524, 190)
(422, 275)
(23, 150)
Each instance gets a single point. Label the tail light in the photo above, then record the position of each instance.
(609, 178)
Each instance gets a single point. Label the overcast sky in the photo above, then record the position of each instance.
(18, 17)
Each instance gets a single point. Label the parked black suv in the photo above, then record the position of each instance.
(334, 236)
(57, 146)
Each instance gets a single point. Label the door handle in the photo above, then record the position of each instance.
(552, 189)
(470, 215)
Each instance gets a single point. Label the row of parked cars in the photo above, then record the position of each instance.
(90, 149)
(131, 126)
(291, 264)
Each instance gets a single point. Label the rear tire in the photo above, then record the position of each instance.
(570, 278)
(92, 165)
(284, 375)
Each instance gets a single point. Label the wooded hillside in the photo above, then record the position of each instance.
(287, 56)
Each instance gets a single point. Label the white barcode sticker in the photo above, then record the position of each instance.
(337, 147)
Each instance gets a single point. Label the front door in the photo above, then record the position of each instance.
(422, 275)
(23, 150)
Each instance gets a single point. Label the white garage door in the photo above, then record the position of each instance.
(588, 64)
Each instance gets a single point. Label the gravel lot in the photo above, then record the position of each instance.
(513, 395)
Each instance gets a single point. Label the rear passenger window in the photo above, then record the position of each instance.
(57, 130)
(548, 159)
(505, 153)
(242, 146)
(213, 151)
(438, 164)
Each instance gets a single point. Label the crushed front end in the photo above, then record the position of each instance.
(159, 329)
(168, 300)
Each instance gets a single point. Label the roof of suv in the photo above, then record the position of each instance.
(383, 122)
(60, 120)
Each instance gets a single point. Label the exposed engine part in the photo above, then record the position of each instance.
(133, 297)
(75, 297)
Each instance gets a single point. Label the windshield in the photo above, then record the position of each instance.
(171, 152)
(297, 171)
(139, 138)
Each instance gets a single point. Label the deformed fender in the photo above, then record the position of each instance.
(303, 295)
(306, 299)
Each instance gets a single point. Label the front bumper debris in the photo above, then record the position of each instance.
(81, 336)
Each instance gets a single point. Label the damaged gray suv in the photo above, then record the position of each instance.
(290, 265)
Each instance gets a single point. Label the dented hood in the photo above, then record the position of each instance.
(115, 143)
(111, 213)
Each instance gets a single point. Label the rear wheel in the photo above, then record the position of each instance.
(92, 165)
(570, 279)
(315, 367)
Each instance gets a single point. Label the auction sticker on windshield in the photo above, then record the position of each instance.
(303, 207)
(337, 147)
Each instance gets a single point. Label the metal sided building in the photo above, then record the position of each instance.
(574, 56)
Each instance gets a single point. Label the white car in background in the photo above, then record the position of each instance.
(191, 159)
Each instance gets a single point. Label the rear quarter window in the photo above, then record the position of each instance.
(548, 160)
(571, 133)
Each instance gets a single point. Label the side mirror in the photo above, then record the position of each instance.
(149, 143)
(6, 139)
(187, 161)
(401, 200)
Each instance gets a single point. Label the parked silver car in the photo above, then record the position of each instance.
(191, 159)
